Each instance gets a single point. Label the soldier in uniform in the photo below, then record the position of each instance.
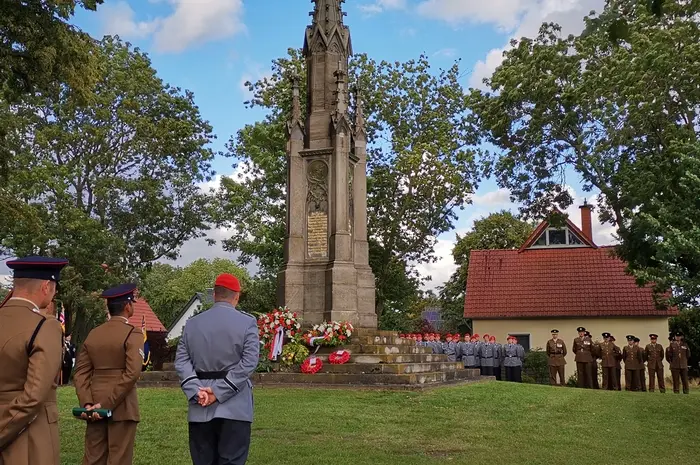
(677, 355)
(595, 353)
(450, 349)
(654, 356)
(556, 353)
(497, 357)
(609, 353)
(106, 372)
(31, 350)
(486, 354)
(217, 354)
(468, 352)
(514, 356)
(584, 359)
(642, 367)
(630, 355)
(618, 365)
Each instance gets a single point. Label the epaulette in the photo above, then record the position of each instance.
(248, 314)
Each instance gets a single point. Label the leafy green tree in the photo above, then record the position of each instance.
(624, 114)
(113, 182)
(167, 289)
(501, 230)
(420, 168)
(688, 322)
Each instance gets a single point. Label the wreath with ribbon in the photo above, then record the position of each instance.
(339, 357)
(311, 365)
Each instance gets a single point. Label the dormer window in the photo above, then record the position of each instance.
(558, 237)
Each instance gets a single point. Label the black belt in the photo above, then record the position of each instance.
(211, 374)
(511, 356)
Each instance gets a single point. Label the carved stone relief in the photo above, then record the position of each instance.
(317, 210)
(351, 198)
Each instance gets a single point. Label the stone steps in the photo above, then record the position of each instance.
(378, 358)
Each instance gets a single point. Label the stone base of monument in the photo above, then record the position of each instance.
(379, 358)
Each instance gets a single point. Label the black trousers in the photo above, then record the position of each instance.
(220, 442)
(514, 374)
(66, 370)
(497, 372)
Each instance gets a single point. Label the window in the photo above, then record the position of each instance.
(542, 241)
(523, 340)
(556, 237)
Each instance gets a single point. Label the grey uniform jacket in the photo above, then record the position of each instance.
(469, 355)
(486, 354)
(225, 340)
(514, 355)
(450, 349)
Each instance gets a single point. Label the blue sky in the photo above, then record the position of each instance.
(212, 46)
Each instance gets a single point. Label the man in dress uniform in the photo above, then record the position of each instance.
(584, 359)
(486, 357)
(556, 353)
(630, 355)
(677, 355)
(68, 359)
(514, 356)
(497, 357)
(106, 372)
(642, 367)
(468, 353)
(618, 365)
(217, 354)
(654, 356)
(595, 353)
(609, 353)
(31, 349)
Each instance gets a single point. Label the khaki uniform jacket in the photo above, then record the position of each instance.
(556, 351)
(610, 355)
(654, 356)
(28, 411)
(678, 355)
(108, 367)
(632, 358)
(582, 349)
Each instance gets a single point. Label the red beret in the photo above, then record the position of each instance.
(228, 281)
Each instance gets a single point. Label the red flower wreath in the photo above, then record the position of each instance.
(311, 365)
(339, 357)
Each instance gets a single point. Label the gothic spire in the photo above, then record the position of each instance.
(327, 13)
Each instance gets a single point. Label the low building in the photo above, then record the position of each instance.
(190, 309)
(559, 279)
(155, 331)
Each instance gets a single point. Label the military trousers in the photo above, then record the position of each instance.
(594, 374)
(486, 370)
(110, 442)
(680, 375)
(632, 380)
(584, 371)
(643, 379)
(610, 379)
(514, 374)
(497, 372)
(654, 374)
(220, 442)
(618, 376)
(555, 371)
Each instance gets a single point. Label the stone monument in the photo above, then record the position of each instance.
(326, 273)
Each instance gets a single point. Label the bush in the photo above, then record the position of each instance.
(264, 363)
(535, 367)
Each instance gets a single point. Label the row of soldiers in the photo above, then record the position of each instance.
(587, 353)
(488, 356)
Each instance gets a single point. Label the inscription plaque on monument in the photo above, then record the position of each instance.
(317, 229)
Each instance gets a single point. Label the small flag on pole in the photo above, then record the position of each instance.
(146, 347)
(62, 319)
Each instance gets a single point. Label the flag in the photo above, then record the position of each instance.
(62, 319)
(146, 347)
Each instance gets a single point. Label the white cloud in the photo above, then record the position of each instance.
(190, 23)
(503, 13)
(492, 198)
(446, 53)
(529, 16)
(381, 5)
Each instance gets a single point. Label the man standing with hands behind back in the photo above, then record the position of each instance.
(217, 354)
(556, 351)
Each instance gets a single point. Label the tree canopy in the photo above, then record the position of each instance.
(623, 112)
(113, 181)
(421, 169)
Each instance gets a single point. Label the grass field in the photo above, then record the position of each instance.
(493, 423)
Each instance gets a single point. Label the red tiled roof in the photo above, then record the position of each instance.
(141, 309)
(560, 282)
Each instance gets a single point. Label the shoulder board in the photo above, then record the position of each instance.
(248, 314)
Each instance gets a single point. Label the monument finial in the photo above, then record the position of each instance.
(341, 101)
(359, 111)
(327, 12)
(296, 104)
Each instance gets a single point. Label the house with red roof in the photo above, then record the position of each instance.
(155, 331)
(559, 279)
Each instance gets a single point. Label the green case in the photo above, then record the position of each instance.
(103, 412)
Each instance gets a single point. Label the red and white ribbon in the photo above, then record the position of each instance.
(277, 343)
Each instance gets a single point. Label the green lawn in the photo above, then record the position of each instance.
(494, 423)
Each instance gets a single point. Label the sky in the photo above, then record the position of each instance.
(212, 47)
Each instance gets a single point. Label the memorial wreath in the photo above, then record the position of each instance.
(311, 365)
(339, 357)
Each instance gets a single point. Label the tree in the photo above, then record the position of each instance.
(39, 49)
(500, 230)
(113, 182)
(688, 322)
(617, 112)
(167, 289)
(420, 168)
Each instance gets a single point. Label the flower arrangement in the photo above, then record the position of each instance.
(294, 353)
(339, 357)
(329, 334)
(311, 365)
(269, 324)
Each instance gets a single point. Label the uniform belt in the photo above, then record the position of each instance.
(211, 374)
(511, 356)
